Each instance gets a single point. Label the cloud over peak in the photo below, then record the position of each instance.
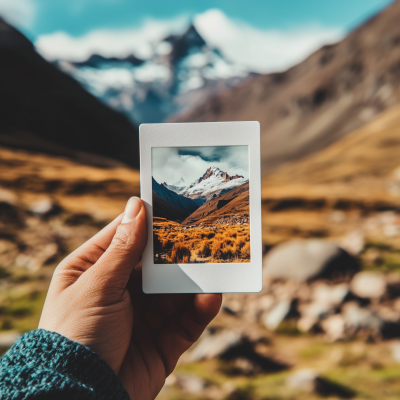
(258, 50)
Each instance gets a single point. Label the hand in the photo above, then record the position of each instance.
(95, 298)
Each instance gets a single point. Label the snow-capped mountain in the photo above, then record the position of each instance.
(211, 184)
(182, 71)
(177, 186)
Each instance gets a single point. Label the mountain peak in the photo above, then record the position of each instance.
(182, 45)
(180, 182)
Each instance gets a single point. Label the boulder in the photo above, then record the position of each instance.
(276, 315)
(213, 345)
(44, 207)
(304, 260)
(369, 285)
(191, 384)
(308, 380)
(334, 326)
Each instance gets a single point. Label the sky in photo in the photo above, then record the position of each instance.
(170, 164)
(262, 35)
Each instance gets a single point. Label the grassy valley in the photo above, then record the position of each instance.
(218, 231)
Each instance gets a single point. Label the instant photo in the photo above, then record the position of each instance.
(201, 186)
(201, 211)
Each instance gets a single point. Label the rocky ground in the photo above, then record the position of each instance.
(325, 325)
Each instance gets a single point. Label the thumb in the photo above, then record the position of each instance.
(114, 267)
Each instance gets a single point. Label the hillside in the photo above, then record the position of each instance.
(164, 209)
(353, 184)
(235, 202)
(321, 100)
(170, 205)
(45, 110)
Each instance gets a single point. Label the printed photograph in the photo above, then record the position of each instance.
(201, 211)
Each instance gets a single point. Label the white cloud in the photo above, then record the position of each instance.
(20, 13)
(262, 50)
(169, 166)
(109, 43)
(259, 50)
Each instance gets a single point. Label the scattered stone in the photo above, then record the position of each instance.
(276, 315)
(369, 285)
(309, 259)
(308, 380)
(191, 384)
(353, 243)
(213, 345)
(361, 318)
(396, 351)
(334, 326)
(244, 358)
(303, 379)
(43, 207)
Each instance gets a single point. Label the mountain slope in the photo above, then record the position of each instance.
(363, 166)
(164, 209)
(351, 187)
(235, 202)
(180, 202)
(319, 101)
(211, 184)
(46, 110)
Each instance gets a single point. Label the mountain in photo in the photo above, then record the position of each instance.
(183, 71)
(228, 208)
(46, 110)
(334, 91)
(211, 184)
(167, 204)
(177, 186)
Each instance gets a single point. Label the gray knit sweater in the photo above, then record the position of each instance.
(46, 365)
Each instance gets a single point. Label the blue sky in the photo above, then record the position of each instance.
(296, 27)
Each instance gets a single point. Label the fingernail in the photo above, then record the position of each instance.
(132, 209)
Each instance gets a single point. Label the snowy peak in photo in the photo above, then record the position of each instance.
(181, 182)
(211, 184)
(214, 171)
(182, 71)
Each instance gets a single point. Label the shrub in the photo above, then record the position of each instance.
(246, 250)
(205, 249)
(180, 254)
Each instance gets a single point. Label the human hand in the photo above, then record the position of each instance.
(95, 298)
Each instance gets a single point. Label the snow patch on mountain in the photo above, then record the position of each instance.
(211, 184)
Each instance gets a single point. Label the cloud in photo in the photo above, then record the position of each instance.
(170, 164)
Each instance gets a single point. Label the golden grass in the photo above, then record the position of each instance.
(220, 243)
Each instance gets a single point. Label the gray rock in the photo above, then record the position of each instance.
(276, 315)
(396, 351)
(368, 284)
(361, 318)
(43, 207)
(304, 260)
(191, 384)
(309, 380)
(213, 345)
(334, 326)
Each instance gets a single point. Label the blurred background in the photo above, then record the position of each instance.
(77, 77)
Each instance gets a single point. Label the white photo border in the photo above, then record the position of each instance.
(208, 277)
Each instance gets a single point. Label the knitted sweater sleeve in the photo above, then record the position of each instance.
(44, 365)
